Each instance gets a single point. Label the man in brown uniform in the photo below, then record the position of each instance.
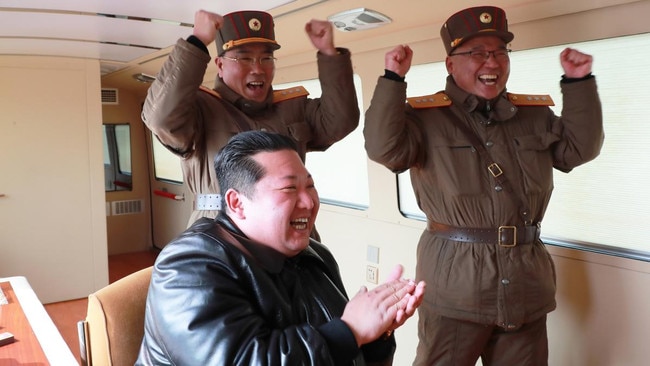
(481, 162)
(195, 122)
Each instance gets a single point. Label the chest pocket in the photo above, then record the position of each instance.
(535, 159)
(456, 165)
(290, 104)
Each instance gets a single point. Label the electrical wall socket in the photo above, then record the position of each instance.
(372, 274)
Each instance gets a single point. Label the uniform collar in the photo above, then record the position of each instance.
(245, 105)
(501, 108)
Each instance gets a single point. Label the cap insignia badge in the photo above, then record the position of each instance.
(486, 18)
(254, 24)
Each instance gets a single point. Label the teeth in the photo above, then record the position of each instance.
(488, 77)
(300, 223)
(256, 83)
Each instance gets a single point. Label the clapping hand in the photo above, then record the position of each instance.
(369, 314)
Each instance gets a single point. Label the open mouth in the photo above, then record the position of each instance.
(255, 85)
(300, 223)
(488, 79)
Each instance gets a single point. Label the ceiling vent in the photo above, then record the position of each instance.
(109, 96)
(358, 19)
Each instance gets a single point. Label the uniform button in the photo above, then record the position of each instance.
(473, 149)
(498, 188)
(505, 281)
(489, 144)
(511, 326)
(247, 105)
(263, 129)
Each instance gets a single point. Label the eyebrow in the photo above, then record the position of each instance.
(295, 177)
(482, 47)
(245, 51)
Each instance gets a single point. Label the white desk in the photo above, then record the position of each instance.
(54, 347)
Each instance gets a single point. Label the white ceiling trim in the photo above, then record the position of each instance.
(60, 48)
(171, 10)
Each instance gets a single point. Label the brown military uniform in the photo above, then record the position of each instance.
(482, 282)
(195, 124)
(482, 172)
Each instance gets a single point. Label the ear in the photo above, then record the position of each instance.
(236, 204)
(219, 62)
(449, 64)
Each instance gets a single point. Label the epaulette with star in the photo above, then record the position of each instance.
(530, 99)
(439, 99)
(209, 91)
(289, 93)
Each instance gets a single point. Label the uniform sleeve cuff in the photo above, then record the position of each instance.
(573, 80)
(197, 42)
(393, 76)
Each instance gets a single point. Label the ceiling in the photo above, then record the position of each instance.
(135, 36)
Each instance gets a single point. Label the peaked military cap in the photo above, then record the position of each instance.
(471, 22)
(242, 27)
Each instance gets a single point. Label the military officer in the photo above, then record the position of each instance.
(193, 122)
(481, 163)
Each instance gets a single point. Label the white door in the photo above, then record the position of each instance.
(52, 213)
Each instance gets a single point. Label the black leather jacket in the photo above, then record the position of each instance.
(217, 298)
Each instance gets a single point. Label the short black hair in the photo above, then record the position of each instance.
(234, 164)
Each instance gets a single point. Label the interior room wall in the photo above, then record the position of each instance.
(130, 232)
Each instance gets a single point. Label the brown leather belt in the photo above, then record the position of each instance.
(505, 236)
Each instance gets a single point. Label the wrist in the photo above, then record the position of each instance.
(569, 79)
(391, 75)
(330, 51)
(198, 43)
(387, 334)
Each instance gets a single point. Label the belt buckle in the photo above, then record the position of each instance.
(514, 236)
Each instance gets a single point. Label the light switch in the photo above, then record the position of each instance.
(372, 254)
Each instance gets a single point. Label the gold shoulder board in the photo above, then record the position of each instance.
(289, 93)
(209, 91)
(530, 99)
(439, 99)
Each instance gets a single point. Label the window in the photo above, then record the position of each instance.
(167, 166)
(341, 172)
(419, 79)
(601, 206)
(346, 158)
(117, 157)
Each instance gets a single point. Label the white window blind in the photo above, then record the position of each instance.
(341, 172)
